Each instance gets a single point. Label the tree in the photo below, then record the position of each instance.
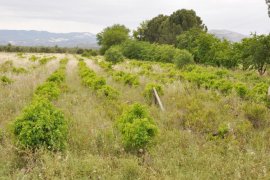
(164, 29)
(111, 36)
(256, 52)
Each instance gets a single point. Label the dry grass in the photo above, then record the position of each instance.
(184, 149)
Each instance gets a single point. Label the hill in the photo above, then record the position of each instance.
(229, 35)
(44, 38)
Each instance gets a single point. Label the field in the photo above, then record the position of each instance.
(215, 124)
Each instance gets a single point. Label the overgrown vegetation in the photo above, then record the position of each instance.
(41, 125)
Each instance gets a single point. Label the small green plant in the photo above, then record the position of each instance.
(41, 125)
(33, 58)
(241, 90)
(114, 55)
(5, 80)
(148, 91)
(137, 127)
(127, 78)
(108, 92)
(19, 70)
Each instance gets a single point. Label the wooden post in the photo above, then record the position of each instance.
(157, 99)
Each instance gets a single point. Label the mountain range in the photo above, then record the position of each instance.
(77, 39)
(44, 38)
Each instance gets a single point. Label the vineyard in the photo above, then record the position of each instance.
(65, 116)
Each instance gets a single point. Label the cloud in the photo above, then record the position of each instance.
(244, 16)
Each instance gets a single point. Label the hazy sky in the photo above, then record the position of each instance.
(243, 16)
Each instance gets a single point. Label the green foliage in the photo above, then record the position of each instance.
(114, 55)
(164, 29)
(33, 58)
(137, 127)
(45, 60)
(41, 125)
(149, 52)
(254, 52)
(111, 36)
(98, 84)
(148, 91)
(256, 114)
(183, 58)
(19, 70)
(207, 49)
(89, 53)
(127, 78)
(108, 91)
(241, 90)
(48, 90)
(5, 80)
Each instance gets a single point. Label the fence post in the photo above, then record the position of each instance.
(157, 99)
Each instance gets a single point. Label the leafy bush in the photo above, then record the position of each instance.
(241, 90)
(256, 114)
(48, 90)
(57, 77)
(108, 92)
(183, 58)
(33, 58)
(45, 60)
(41, 125)
(148, 91)
(5, 80)
(127, 78)
(114, 55)
(19, 70)
(137, 127)
(90, 79)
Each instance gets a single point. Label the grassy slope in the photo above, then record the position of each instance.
(183, 148)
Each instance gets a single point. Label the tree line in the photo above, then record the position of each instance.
(164, 38)
(43, 49)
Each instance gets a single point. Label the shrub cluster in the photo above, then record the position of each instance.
(137, 127)
(41, 124)
(114, 55)
(155, 52)
(127, 78)
(51, 88)
(45, 60)
(98, 84)
(6, 66)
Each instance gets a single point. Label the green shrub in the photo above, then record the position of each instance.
(41, 125)
(114, 55)
(57, 77)
(48, 90)
(108, 92)
(182, 58)
(256, 114)
(19, 70)
(241, 90)
(33, 58)
(127, 78)
(148, 91)
(5, 80)
(137, 127)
